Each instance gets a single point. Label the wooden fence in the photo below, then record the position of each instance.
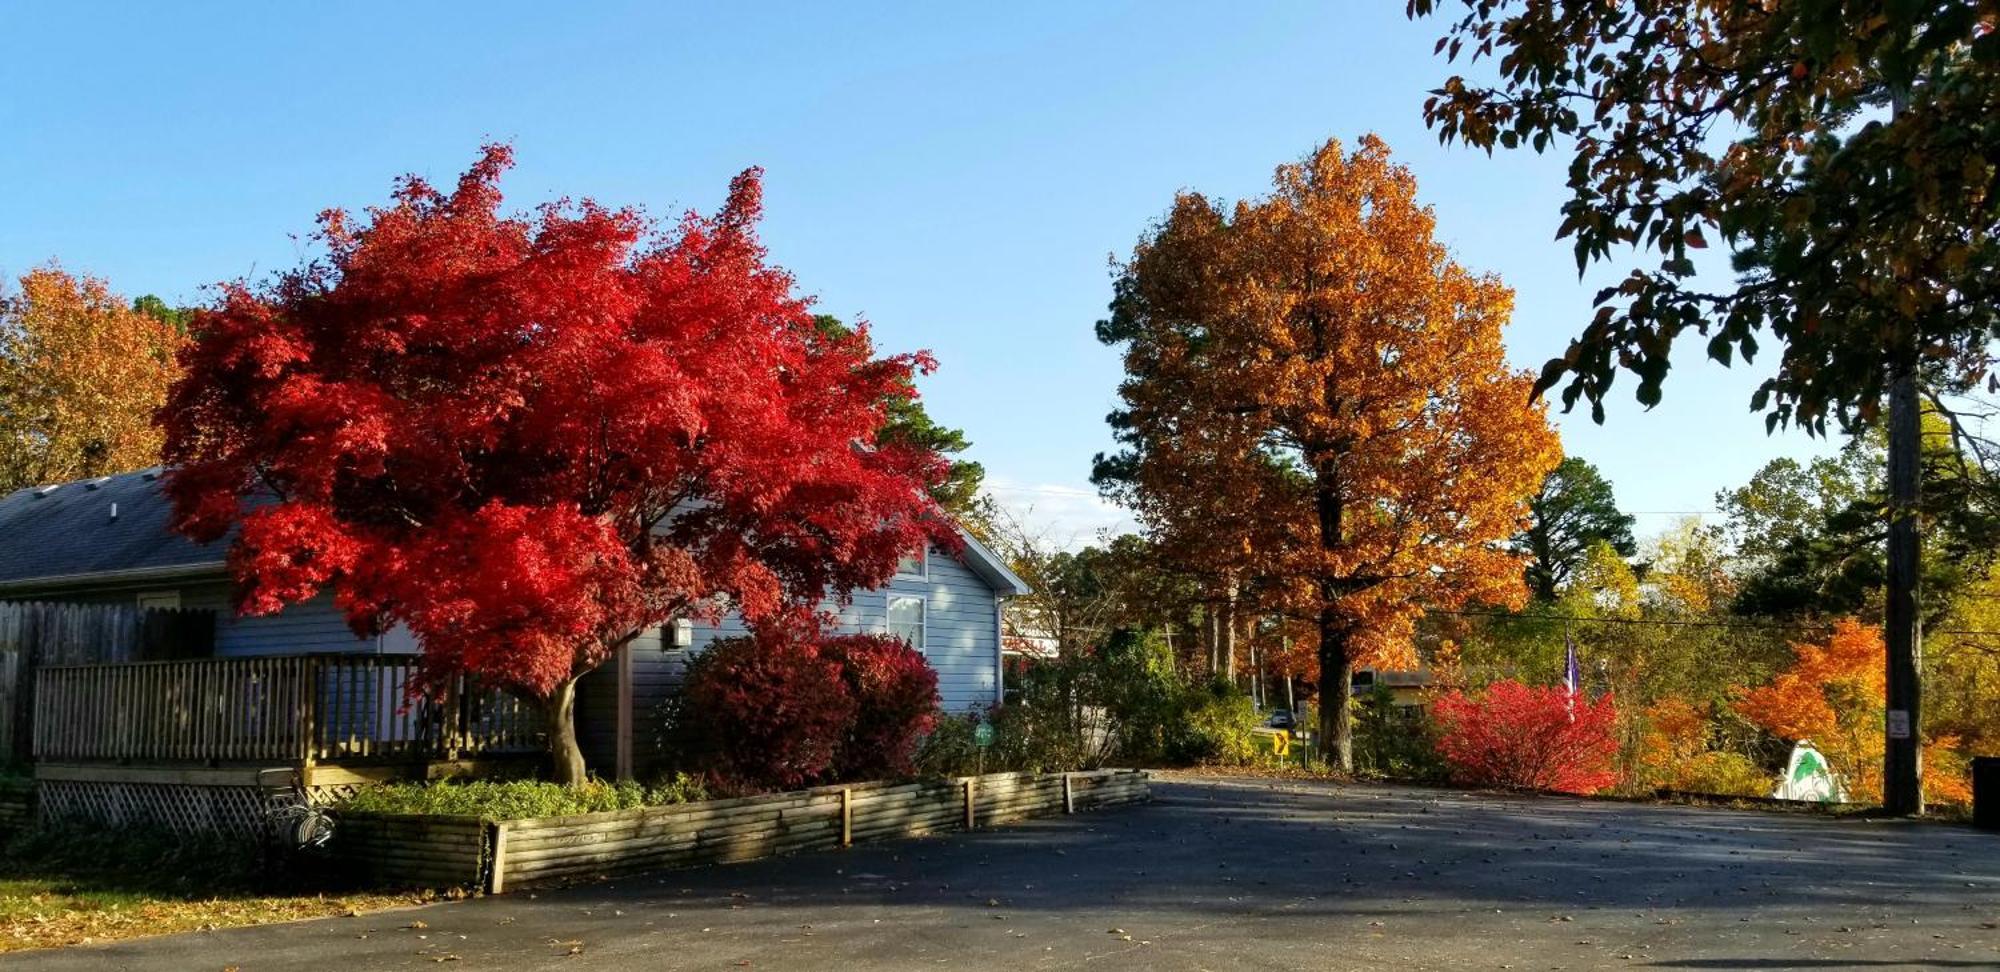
(282, 709)
(419, 851)
(34, 634)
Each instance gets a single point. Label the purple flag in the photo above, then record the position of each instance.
(1572, 673)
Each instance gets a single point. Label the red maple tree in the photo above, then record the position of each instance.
(530, 437)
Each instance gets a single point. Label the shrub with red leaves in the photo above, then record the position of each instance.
(896, 700)
(772, 710)
(1516, 736)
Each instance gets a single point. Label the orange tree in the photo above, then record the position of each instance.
(81, 373)
(1317, 397)
(1833, 695)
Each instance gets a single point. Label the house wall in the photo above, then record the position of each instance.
(309, 627)
(960, 641)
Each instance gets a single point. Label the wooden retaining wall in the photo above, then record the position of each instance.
(17, 804)
(416, 850)
(512, 854)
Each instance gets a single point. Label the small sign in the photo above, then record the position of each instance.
(982, 735)
(1899, 723)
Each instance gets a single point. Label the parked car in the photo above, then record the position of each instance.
(1282, 719)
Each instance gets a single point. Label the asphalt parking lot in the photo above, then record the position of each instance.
(1225, 874)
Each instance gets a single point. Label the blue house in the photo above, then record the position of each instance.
(106, 541)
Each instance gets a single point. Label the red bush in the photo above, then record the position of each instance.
(1516, 736)
(772, 710)
(895, 695)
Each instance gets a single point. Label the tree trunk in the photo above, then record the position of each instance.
(1336, 686)
(565, 756)
(1229, 634)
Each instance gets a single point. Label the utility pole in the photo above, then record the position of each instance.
(1902, 770)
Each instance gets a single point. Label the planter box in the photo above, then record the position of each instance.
(508, 855)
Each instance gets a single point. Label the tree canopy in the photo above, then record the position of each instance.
(1317, 396)
(1867, 239)
(1574, 511)
(530, 437)
(81, 373)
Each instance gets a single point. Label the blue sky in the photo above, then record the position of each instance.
(962, 177)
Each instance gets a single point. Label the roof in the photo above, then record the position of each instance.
(67, 533)
(991, 568)
(70, 532)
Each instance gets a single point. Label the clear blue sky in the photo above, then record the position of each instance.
(959, 177)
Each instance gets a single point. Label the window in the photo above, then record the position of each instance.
(906, 620)
(159, 599)
(914, 564)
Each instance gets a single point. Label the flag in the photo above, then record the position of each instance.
(1572, 673)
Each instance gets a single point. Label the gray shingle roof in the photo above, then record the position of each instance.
(69, 530)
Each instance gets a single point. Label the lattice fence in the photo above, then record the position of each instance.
(237, 811)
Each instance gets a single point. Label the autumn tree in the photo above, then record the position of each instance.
(910, 424)
(1842, 149)
(1574, 511)
(81, 373)
(528, 438)
(1317, 394)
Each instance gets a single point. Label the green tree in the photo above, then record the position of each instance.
(1844, 150)
(910, 424)
(1574, 511)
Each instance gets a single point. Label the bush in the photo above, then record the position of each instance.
(1723, 774)
(768, 711)
(895, 698)
(1216, 725)
(519, 799)
(1395, 742)
(1527, 738)
(949, 749)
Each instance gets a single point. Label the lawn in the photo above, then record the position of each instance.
(73, 888)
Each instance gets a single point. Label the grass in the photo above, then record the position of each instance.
(69, 887)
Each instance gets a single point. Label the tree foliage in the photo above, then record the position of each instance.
(1317, 402)
(1867, 242)
(1811, 539)
(81, 374)
(910, 425)
(1833, 695)
(1574, 511)
(530, 437)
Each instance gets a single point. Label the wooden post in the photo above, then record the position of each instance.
(1069, 793)
(496, 882)
(308, 713)
(846, 817)
(970, 783)
(1902, 793)
(623, 758)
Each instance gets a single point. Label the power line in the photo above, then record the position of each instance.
(1677, 623)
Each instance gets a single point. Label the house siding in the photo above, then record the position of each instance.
(961, 627)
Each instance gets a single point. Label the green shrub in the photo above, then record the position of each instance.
(1395, 742)
(519, 799)
(1217, 725)
(1724, 774)
(950, 750)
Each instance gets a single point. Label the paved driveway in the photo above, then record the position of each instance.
(1226, 875)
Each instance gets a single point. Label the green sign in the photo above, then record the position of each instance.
(983, 735)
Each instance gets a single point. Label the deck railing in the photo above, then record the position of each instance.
(291, 709)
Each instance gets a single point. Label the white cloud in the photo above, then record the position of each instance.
(1066, 515)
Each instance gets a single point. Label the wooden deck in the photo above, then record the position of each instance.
(332, 717)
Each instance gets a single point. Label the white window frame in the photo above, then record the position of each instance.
(923, 571)
(152, 600)
(922, 644)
